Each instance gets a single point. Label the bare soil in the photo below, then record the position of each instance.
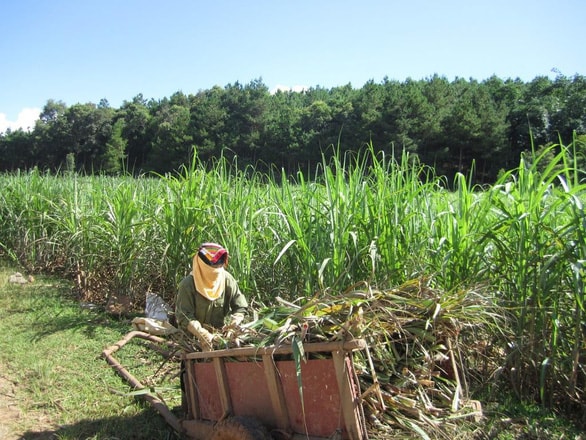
(13, 421)
(10, 414)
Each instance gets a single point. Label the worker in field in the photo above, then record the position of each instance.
(209, 297)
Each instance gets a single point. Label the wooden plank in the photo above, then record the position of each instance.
(347, 396)
(223, 386)
(314, 347)
(191, 389)
(276, 393)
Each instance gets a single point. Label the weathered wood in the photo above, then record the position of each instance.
(316, 347)
(156, 403)
(134, 334)
(225, 365)
(223, 386)
(349, 404)
(191, 390)
(198, 429)
(276, 393)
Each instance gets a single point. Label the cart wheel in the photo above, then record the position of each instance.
(239, 428)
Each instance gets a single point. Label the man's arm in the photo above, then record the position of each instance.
(185, 303)
(238, 302)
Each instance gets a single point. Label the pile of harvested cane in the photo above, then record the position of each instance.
(424, 348)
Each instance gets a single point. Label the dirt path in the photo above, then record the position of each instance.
(10, 414)
(13, 422)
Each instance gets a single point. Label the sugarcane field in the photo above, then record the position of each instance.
(382, 302)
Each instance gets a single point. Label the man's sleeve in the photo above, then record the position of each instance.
(184, 305)
(238, 302)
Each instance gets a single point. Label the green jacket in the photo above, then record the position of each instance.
(191, 305)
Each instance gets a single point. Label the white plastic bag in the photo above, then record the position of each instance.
(155, 307)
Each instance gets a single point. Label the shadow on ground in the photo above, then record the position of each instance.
(136, 427)
(56, 309)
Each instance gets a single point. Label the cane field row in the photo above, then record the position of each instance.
(362, 218)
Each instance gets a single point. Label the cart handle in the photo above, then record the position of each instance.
(155, 402)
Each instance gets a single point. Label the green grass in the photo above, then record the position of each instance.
(51, 351)
(509, 419)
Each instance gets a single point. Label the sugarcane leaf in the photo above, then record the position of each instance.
(287, 246)
(298, 356)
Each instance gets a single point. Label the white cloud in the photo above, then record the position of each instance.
(297, 88)
(25, 120)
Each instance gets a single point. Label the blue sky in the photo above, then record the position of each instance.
(82, 51)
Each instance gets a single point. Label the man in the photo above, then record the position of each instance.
(208, 295)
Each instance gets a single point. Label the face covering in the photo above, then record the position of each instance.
(209, 281)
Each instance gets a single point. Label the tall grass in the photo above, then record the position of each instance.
(362, 218)
(539, 244)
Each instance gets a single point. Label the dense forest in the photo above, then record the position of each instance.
(454, 126)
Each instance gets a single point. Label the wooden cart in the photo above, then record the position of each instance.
(255, 383)
(254, 393)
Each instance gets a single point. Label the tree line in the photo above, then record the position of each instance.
(453, 126)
